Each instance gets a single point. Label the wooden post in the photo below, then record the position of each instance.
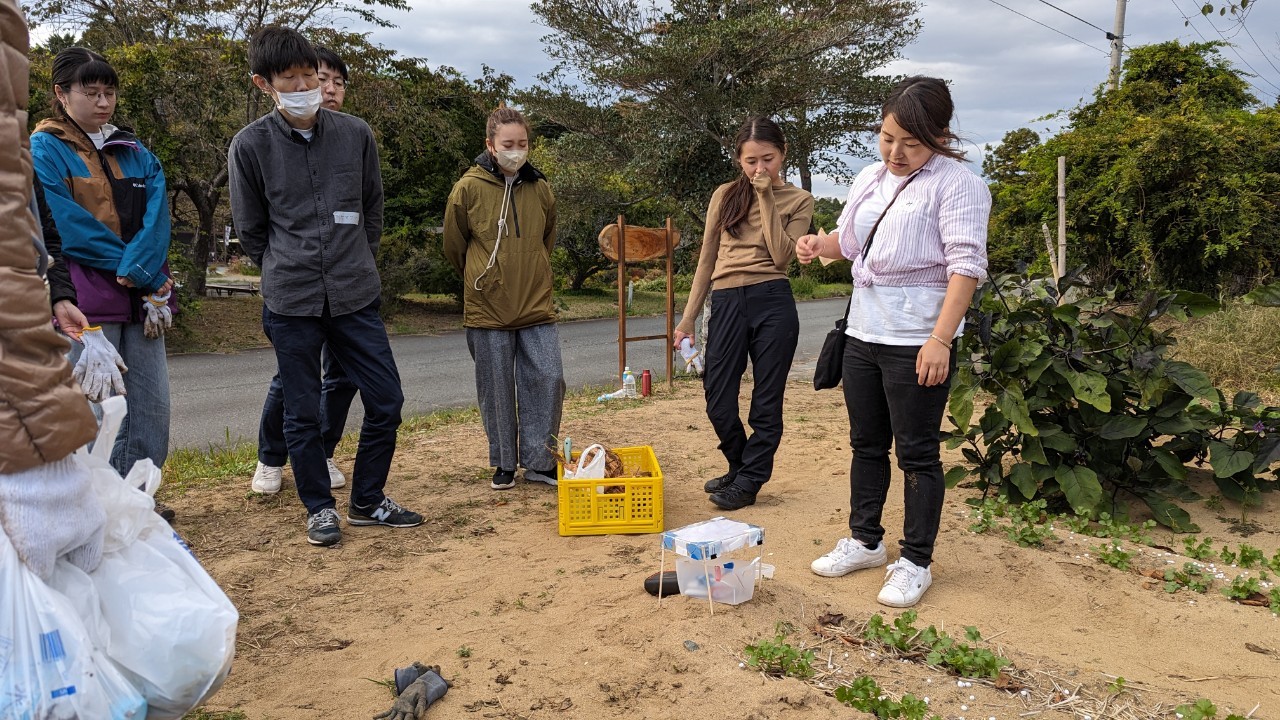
(1048, 247)
(1062, 214)
(622, 295)
(671, 304)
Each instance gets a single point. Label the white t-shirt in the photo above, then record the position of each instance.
(883, 314)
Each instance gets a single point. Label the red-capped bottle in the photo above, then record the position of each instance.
(646, 383)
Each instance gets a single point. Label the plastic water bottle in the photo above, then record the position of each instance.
(629, 384)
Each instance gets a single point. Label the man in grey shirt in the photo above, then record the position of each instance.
(306, 197)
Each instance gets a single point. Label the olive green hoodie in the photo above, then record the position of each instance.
(511, 288)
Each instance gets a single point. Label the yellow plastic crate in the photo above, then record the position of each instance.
(586, 509)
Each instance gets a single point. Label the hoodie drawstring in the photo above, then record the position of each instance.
(502, 229)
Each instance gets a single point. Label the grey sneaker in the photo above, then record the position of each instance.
(904, 584)
(387, 513)
(322, 528)
(848, 556)
(548, 477)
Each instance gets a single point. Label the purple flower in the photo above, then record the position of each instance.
(1259, 427)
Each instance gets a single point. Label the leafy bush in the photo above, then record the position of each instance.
(938, 648)
(1191, 576)
(1089, 409)
(411, 259)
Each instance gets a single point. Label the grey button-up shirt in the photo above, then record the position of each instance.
(309, 213)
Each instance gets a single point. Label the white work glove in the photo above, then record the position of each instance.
(100, 366)
(159, 317)
(51, 511)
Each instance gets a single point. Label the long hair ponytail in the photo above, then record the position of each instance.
(736, 201)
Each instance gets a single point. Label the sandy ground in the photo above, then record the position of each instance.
(528, 624)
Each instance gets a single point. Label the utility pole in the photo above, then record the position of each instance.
(1116, 37)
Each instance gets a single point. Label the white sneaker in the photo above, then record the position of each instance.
(266, 479)
(336, 478)
(848, 556)
(905, 583)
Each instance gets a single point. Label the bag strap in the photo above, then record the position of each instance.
(866, 247)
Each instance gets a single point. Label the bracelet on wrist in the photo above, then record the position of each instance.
(945, 344)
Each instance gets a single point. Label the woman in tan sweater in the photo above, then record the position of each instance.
(750, 239)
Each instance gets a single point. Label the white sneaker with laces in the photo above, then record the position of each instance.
(266, 479)
(336, 478)
(904, 584)
(848, 556)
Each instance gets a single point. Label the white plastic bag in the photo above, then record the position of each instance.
(172, 629)
(590, 464)
(49, 665)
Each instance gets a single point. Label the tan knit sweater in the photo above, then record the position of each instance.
(764, 247)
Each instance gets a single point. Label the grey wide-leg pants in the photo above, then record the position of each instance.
(520, 387)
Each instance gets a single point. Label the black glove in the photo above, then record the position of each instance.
(418, 696)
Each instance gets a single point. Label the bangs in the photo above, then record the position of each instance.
(96, 71)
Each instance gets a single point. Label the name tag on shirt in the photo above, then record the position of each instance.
(346, 218)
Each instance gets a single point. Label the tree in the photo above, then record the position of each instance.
(671, 83)
(1171, 179)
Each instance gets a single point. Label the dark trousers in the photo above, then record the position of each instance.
(359, 342)
(336, 394)
(757, 322)
(887, 404)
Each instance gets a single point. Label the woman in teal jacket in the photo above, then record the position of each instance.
(108, 198)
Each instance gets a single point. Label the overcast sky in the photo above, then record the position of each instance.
(1005, 69)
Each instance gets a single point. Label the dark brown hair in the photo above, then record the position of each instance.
(503, 115)
(922, 106)
(736, 202)
(79, 65)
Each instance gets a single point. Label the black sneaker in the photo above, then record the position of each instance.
(733, 497)
(716, 484)
(322, 528)
(503, 479)
(387, 513)
(165, 512)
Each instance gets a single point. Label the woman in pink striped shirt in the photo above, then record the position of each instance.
(915, 228)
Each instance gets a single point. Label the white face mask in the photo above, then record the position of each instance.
(511, 160)
(302, 105)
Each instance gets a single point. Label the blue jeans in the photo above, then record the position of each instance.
(888, 405)
(336, 393)
(145, 430)
(359, 342)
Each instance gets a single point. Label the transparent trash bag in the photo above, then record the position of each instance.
(51, 667)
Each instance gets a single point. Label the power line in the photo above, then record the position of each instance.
(1050, 27)
(1238, 55)
(1228, 43)
(1086, 22)
(1260, 50)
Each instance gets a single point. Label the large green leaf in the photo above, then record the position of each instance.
(1266, 296)
(1226, 460)
(1190, 379)
(961, 406)
(1021, 477)
(1122, 427)
(1033, 451)
(1081, 486)
(955, 475)
(1014, 406)
(1007, 357)
(1090, 388)
(1170, 463)
(1054, 438)
(1169, 514)
(1196, 304)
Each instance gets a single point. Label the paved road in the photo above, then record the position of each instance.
(217, 398)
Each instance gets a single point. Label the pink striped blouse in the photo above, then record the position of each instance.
(936, 228)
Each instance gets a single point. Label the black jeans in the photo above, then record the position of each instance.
(336, 394)
(757, 322)
(359, 342)
(887, 404)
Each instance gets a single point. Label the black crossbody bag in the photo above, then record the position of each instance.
(829, 370)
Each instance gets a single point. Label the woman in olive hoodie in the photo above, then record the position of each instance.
(499, 228)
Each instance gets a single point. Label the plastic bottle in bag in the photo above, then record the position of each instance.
(692, 359)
